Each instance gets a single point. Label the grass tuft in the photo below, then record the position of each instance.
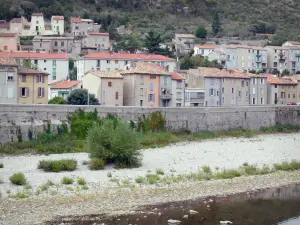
(58, 165)
(288, 166)
(18, 179)
(81, 181)
(67, 180)
(97, 164)
(140, 180)
(206, 169)
(160, 172)
(20, 195)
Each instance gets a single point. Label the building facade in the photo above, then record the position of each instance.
(58, 25)
(278, 58)
(53, 44)
(9, 42)
(81, 27)
(97, 40)
(16, 25)
(108, 61)
(57, 65)
(63, 88)
(107, 86)
(178, 90)
(204, 50)
(33, 86)
(184, 43)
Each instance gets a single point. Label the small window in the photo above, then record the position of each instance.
(240, 94)
(262, 81)
(45, 61)
(108, 61)
(35, 62)
(5, 48)
(247, 83)
(141, 92)
(211, 92)
(254, 80)
(10, 76)
(116, 61)
(40, 44)
(23, 78)
(232, 90)
(243, 83)
(109, 84)
(152, 76)
(289, 96)
(275, 85)
(24, 92)
(117, 95)
(282, 94)
(141, 80)
(165, 80)
(261, 101)
(55, 43)
(253, 101)
(294, 96)
(223, 90)
(62, 44)
(41, 92)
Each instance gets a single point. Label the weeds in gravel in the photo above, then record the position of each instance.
(18, 179)
(58, 165)
(140, 180)
(206, 169)
(97, 164)
(152, 178)
(81, 181)
(115, 180)
(67, 180)
(20, 195)
(160, 172)
(45, 187)
(109, 174)
(85, 188)
(38, 191)
(288, 166)
(126, 182)
(70, 188)
(27, 187)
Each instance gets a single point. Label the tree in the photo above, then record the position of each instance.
(86, 15)
(216, 25)
(285, 73)
(57, 100)
(192, 62)
(28, 64)
(201, 32)
(152, 42)
(130, 43)
(80, 97)
(72, 70)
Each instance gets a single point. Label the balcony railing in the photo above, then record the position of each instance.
(165, 96)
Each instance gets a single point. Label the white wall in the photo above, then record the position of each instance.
(60, 24)
(206, 52)
(175, 90)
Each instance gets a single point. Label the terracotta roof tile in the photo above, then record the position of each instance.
(126, 56)
(75, 20)
(8, 61)
(37, 14)
(58, 18)
(106, 74)
(177, 76)
(8, 34)
(206, 46)
(33, 55)
(98, 33)
(280, 80)
(146, 68)
(16, 20)
(23, 70)
(294, 42)
(65, 84)
(51, 82)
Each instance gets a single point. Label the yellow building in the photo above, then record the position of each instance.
(33, 86)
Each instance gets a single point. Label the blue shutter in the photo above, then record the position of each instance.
(151, 86)
(149, 97)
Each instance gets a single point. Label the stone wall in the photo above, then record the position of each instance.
(14, 118)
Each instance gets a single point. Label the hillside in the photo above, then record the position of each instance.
(238, 17)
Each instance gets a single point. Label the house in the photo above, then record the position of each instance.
(291, 43)
(278, 59)
(96, 40)
(184, 43)
(58, 25)
(16, 25)
(204, 50)
(293, 65)
(50, 83)
(259, 58)
(63, 88)
(147, 84)
(282, 90)
(53, 44)
(4, 26)
(57, 65)
(33, 86)
(107, 86)
(226, 55)
(178, 90)
(10, 42)
(81, 27)
(8, 80)
(108, 61)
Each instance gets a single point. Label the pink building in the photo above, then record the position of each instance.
(9, 42)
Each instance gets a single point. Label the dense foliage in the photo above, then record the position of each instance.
(193, 62)
(201, 32)
(57, 100)
(58, 165)
(82, 97)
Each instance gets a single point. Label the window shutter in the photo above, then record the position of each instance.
(153, 97)
(27, 92)
(149, 98)
(37, 79)
(43, 79)
(42, 92)
(20, 92)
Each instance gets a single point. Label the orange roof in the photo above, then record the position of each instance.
(272, 79)
(8, 34)
(34, 55)
(6, 61)
(98, 33)
(58, 18)
(206, 46)
(146, 68)
(23, 70)
(294, 42)
(177, 76)
(126, 56)
(53, 82)
(37, 14)
(75, 20)
(65, 84)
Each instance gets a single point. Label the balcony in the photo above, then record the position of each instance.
(282, 60)
(166, 96)
(258, 59)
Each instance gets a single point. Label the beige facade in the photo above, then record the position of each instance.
(33, 86)
(81, 27)
(99, 41)
(277, 58)
(107, 86)
(53, 44)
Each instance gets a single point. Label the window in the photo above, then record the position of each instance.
(232, 90)
(24, 92)
(141, 102)
(141, 92)
(211, 92)
(55, 43)
(294, 96)
(223, 90)
(39, 79)
(151, 87)
(247, 83)
(117, 95)
(40, 44)
(243, 83)
(253, 91)
(54, 63)
(109, 84)
(282, 94)
(179, 84)
(45, 69)
(108, 61)
(98, 63)
(223, 80)
(262, 81)
(275, 85)
(152, 76)
(116, 61)
(5, 48)
(62, 44)
(37, 22)
(240, 94)
(45, 61)
(151, 98)
(253, 101)
(10, 76)
(178, 104)
(262, 101)
(254, 81)
(261, 91)
(247, 93)
(212, 81)
(23, 78)
(178, 96)
(165, 80)
(217, 93)
(35, 62)
(141, 80)
(289, 95)
(41, 92)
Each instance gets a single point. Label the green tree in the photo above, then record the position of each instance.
(80, 97)
(285, 73)
(28, 64)
(152, 42)
(86, 15)
(57, 100)
(201, 32)
(216, 25)
(130, 43)
(72, 70)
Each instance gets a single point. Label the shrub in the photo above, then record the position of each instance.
(114, 143)
(81, 181)
(67, 180)
(227, 174)
(140, 180)
(20, 195)
(206, 169)
(1, 165)
(57, 100)
(152, 178)
(97, 164)
(160, 172)
(58, 165)
(287, 166)
(85, 187)
(18, 179)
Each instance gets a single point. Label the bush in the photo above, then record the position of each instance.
(287, 166)
(1, 165)
(97, 164)
(114, 143)
(58, 165)
(57, 100)
(160, 172)
(81, 181)
(18, 179)
(67, 180)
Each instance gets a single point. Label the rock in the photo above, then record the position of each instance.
(185, 217)
(170, 221)
(225, 222)
(193, 212)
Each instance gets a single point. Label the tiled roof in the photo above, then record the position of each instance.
(37, 14)
(126, 56)
(185, 35)
(8, 34)
(272, 79)
(65, 84)
(146, 68)
(53, 82)
(75, 20)
(177, 76)
(16, 20)
(296, 77)
(23, 70)
(58, 18)
(106, 74)
(206, 46)
(38, 38)
(98, 33)
(258, 48)
(294, 42)
(277, 47)
(6, 61)
(33, 55)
